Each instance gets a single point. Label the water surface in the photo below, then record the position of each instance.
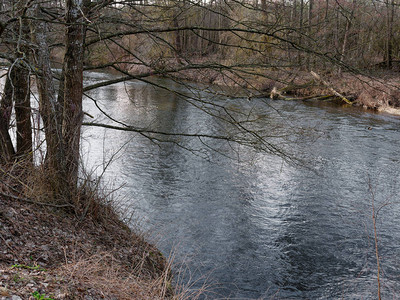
(256, 226)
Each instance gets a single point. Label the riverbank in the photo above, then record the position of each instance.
(51, 252)
(377, 90)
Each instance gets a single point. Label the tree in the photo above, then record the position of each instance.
(62, 119)
(390, 12)
(17, 91)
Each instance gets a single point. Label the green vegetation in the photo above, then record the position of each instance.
(18, 278)
(39, 296)
(18, 266)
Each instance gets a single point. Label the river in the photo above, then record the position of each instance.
(257, 227)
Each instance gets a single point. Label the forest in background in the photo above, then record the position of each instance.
(261, 45)
(329, 35)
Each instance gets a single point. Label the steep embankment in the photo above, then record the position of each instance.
(49, 252)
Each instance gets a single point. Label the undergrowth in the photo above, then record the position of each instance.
(108, 259)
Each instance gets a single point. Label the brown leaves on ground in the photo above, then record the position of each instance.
(54, 253)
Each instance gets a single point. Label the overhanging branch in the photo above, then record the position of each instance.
(147, 131)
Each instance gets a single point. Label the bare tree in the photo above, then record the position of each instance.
(390, 12)
(17, 89)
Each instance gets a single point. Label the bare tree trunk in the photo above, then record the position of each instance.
(20, 82)
(264, 7)
(326, 24)
(390, 7)
(294, 13)
(73, 88)
(6, 147)
(337, 29)
(310, 44)
(21, 88)
(178, 41)
(299, 57)
(344, 45)
(16, 90)
(293, 23)
(50, 108)
(349, 20)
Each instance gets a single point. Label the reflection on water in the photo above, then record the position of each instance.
(256, 227)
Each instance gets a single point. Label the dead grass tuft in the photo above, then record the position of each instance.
(103, 274)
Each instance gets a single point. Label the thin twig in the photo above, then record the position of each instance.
(374, 216)
(35, 202)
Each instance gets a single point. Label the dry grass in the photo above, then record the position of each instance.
(104, 273)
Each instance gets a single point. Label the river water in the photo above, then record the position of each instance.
(257, 227)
